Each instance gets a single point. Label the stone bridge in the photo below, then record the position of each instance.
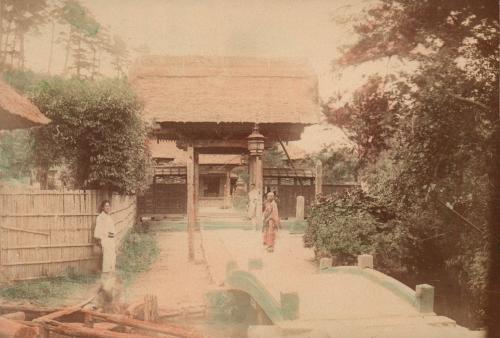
(300, 299)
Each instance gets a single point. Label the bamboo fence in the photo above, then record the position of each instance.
(46, 233)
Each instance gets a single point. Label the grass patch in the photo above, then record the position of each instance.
(168, 226)
(138, 252)
(295, 226)
(47, 291)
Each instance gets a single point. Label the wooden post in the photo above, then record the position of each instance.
(227, 190)
(319, 178)
(259, 180)
(191, 212)
(196, 188)
(251, 179)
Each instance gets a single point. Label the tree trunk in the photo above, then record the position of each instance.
(1, 33)
(68, 48)
(13, 49)
(78, 58)
(6, 43)
(43, 177)
(52, 33)
(20, 63)
(94, 61)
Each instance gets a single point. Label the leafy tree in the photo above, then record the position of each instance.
(119, 54)
(339, 165)
(96, 130)
(425, 137)
(17, 18)
(81, 38)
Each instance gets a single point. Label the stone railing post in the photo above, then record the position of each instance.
(289, 305)
(299, 211)
(325, 263)
(424, 294)
(365, 261)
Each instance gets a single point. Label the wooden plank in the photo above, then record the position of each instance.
(19, 315)
(76, 245)
(26, 308)
(79, 330)
(65, 260)
(170, 329)
(57, 314)
(24, 230)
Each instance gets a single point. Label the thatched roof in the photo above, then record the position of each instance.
(17, 111)
(226, 89)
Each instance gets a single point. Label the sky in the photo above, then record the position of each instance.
(308, 29)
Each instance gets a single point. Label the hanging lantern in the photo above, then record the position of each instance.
(256, 142)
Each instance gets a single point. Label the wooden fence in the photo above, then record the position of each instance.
(46, 233)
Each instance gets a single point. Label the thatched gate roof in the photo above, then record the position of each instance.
(226, 89)
(17, 111)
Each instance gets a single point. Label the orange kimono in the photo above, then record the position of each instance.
(271, 224)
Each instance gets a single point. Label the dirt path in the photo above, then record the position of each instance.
(179, 283)
(175, 281)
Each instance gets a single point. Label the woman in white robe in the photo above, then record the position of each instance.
(105, 233)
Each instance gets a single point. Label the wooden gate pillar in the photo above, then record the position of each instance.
(192, 198)
(196, 188)
(258, 175)
(227, 189)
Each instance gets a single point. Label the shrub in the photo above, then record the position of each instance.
(96, 131)
(352, 223)
(137, 253)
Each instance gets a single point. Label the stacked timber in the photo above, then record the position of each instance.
(139, 320)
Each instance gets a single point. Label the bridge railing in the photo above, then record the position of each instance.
(422, 298)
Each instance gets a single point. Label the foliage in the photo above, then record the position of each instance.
(84, 40)
(137, 253)
(48, 291)
(274, 158)
(17, 18)
(15, 154)
(426, 136)
(339, 164)
(352, 223)
(96, 131)
(24, 81)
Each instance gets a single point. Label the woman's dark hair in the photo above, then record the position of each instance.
(103, 203)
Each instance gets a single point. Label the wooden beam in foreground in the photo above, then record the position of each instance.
(170, 329)
(78, 330)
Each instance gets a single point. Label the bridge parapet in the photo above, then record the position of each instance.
(422, 298)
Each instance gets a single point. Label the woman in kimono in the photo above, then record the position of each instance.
(105, 233)
(271, 222)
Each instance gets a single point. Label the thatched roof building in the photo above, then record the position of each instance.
(17, 111)
(197, 94)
